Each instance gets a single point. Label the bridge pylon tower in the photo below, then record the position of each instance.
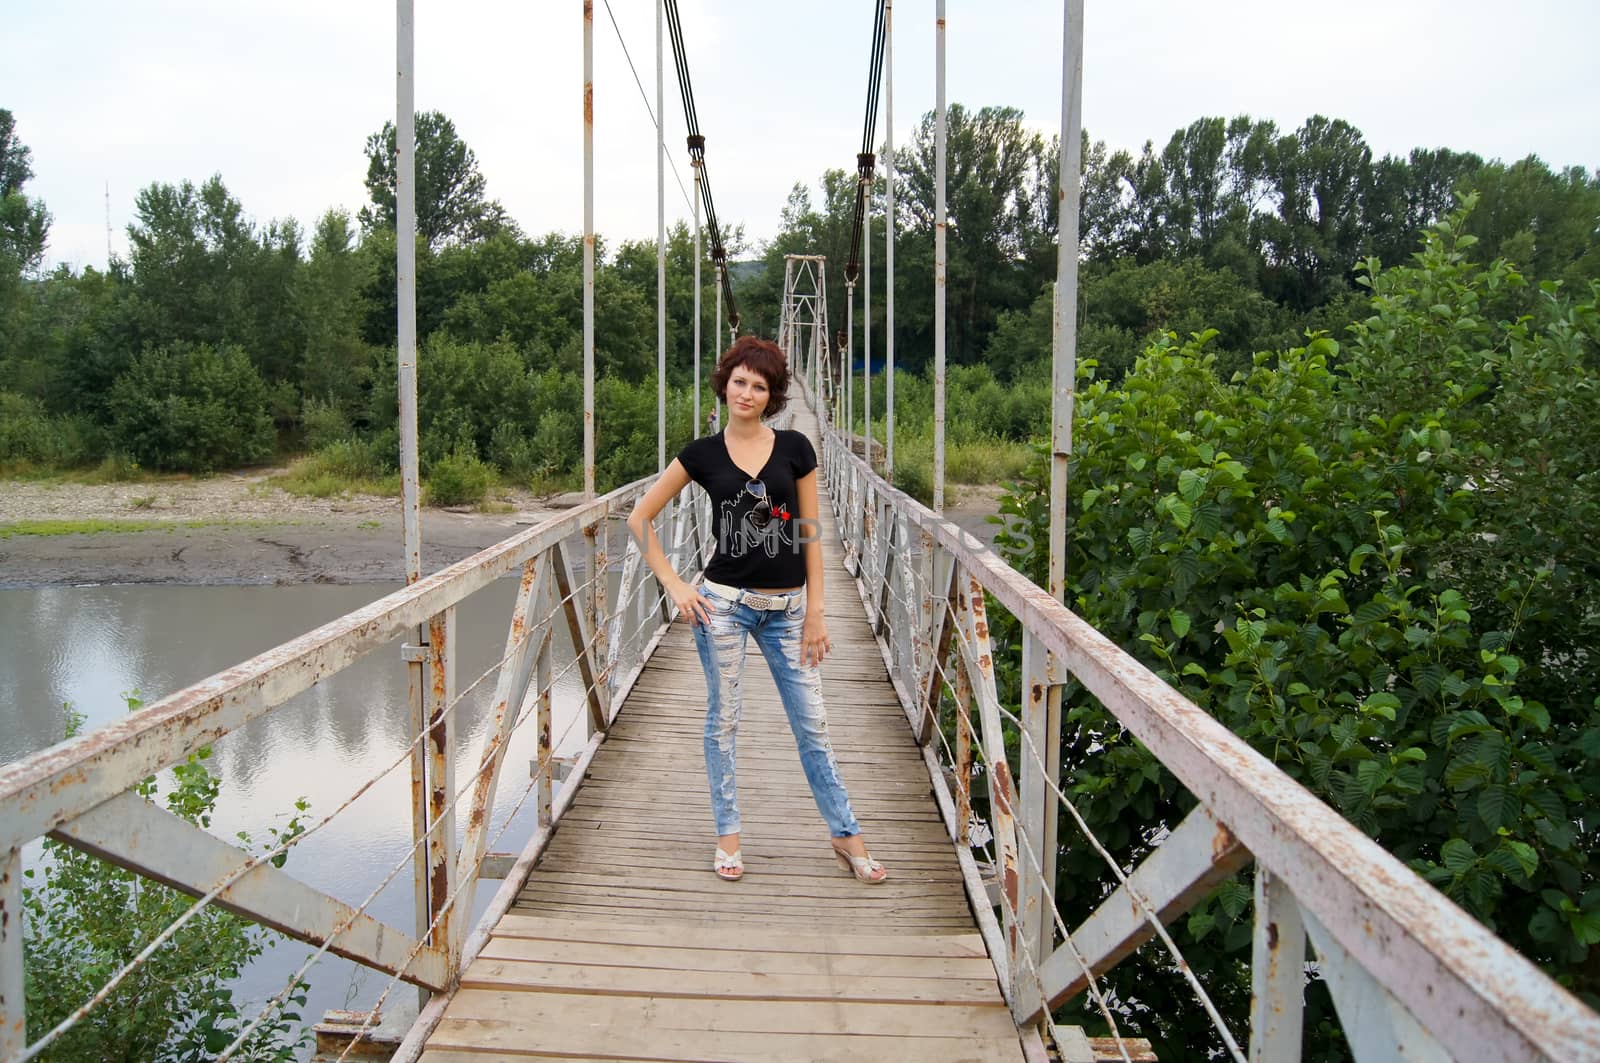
(803, 328)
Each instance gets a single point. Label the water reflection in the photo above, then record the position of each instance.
(87, 645)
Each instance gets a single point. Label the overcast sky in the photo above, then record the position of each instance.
(279, 98)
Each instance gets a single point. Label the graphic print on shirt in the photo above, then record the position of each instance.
(742, 533)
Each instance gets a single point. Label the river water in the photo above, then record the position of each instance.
(86, 646)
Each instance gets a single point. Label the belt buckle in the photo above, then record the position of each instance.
(759, 601)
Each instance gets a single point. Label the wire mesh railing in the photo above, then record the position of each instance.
(1409, 973)
(84, 792)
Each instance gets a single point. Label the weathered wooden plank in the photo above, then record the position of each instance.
(513, 1039)
(841, 890)
(649, 981)
(694, 835)
(867, 804)
(920, 870)
(768, 940)
(741, 1016)
(694, 958)
(776, 906)
(832, 915)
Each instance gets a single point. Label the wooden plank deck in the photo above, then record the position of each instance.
(624, 945)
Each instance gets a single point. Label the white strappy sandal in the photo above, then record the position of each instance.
(729, 866)
(864, 868)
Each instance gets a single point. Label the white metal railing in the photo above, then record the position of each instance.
(1411, 975)
(81, 791)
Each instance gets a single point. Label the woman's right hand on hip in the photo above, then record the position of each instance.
(691, 603)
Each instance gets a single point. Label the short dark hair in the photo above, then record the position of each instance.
(761, 356)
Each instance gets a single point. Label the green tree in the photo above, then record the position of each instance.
(1000, 203)
(1321, 173)
(86, 919)
(336, 365)
(202, 274)
(191, 407)
(24, 222)
(1407, 195)
(1545, 221)
(1377, 572)
(451, 205)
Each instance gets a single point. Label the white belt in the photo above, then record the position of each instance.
(753, 599)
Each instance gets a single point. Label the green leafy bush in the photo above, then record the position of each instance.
(192, 408)
(323, 423)
(29, 434)
(459, 479)
(353, 464)
(85, 919)
(1382, 576)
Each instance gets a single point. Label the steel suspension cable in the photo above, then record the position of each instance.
(697, 157)
(865, 159)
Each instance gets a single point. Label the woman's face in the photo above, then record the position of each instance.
(747, 392)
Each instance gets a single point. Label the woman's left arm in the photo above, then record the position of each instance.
(814, 644)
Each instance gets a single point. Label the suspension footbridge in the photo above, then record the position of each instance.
(608, 936)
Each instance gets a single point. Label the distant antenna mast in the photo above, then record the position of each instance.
(108, 226)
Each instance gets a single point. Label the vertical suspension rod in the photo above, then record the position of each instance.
(888, 238)
(938, 266)
(406, 358)
(588, 251)
(866, 331)
(694, 427)
(661, 247)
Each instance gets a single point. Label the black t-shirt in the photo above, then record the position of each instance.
(750, 554)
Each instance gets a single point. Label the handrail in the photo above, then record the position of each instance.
(80, 791)
(1440, 980)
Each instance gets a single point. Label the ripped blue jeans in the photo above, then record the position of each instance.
(722, 654)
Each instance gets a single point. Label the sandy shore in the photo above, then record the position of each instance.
(234, 529)
(238, 529)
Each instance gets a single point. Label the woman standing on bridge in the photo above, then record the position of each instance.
(764, 580)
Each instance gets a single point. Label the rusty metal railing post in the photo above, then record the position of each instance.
(888, 241)
(847, 430)
(1277, 973)
(13, 978)
(963, 765)
(544, 722)
(597, 560)
(442, 780)
(978, 659)
(939, 254)
(922, 592)
(1037, 803)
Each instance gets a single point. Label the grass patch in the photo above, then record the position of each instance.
(977, 462)
(986, 461)
(97, 526)
(112, 470)
(340, 469)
